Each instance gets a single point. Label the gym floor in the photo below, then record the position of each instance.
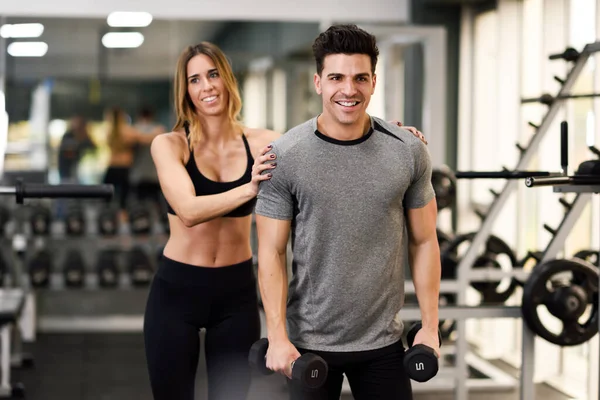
(112, 366)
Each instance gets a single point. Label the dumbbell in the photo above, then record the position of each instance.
(107, 268)
(420, 361)
(75, 220)
(40, 268)
(310, 370)
(40, 220)
(140, 221)
(140, 266)
(108, 222)
(74, 269)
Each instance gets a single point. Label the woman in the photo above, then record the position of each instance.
(205, 278)
(122, 139)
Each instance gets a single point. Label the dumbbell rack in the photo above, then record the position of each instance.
(465, 274)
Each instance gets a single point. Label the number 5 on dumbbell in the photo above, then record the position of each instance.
(310, 370)
(420, 361)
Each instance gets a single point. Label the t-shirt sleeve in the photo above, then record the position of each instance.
(275, 199)
(420, 192)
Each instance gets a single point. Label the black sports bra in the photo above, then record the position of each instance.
(204, 186)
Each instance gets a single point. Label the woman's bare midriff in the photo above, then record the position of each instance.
(123, 159)
(216, 243)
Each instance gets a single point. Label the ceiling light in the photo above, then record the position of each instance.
(122, 19)
(122, 40)
(21, 30)
(27, 49)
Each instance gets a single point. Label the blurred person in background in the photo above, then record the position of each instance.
(122, 138)
(73, 145)
(143, 172)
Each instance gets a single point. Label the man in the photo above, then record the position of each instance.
(351, 188)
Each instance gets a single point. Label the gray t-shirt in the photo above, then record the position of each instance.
(346, 201)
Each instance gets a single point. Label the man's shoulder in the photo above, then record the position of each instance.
(391, 129)
(294, 136)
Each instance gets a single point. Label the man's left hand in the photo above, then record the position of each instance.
(428, 338)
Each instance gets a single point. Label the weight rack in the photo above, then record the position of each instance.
(465, 274)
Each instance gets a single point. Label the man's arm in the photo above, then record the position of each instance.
(272, 273)
(425, 265)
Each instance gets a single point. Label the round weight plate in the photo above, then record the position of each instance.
(495, 249)
(257, 354)
(444, 186)
(541, 289)
(590, 256)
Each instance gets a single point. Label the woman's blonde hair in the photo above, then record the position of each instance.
(184, 108)
(116, 120)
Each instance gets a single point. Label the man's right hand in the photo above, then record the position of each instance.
(280, 356)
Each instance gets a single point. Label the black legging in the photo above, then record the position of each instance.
(119, 178)
(184, 298)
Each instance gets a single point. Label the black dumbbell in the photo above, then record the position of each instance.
(140, 221)
(107, 268)
(75, 220)
(108, 222)
(40, 268)
(40, 220)
(140, 266)
(310, 370)
(74, 269)
(420, 361)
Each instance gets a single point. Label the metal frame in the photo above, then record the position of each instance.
(11, 301)
(467, 261)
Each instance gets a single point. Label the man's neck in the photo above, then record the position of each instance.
(333, 129)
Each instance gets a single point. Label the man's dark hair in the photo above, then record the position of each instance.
(345, 39)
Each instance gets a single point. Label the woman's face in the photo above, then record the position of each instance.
(205, 86)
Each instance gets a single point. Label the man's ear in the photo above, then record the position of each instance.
(317, 82)
(374, 83)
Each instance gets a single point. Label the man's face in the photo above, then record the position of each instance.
(346, 85)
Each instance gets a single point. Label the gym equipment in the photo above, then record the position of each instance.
(589, 168)
(4, 270)
(74, 269)
(495, 250)
(547, 99)
(565, 297)
(420, 361)
(107, 268)
(108, 221)
(588, 173)
(140, 222)
(75, 221)
(590, 256)
(40, 267)
(309, 370)
(140, 267)
(40, 220)
(444, 186)
(570, 54)
(506, 174)
(12, 300)
(443, 239)
(4, 217)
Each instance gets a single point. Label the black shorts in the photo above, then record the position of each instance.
(373, 375)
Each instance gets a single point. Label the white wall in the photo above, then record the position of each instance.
(265, 10)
